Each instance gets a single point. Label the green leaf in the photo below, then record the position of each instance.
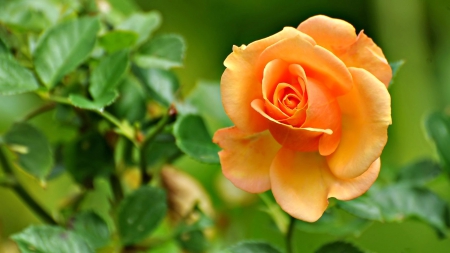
(32, 147)
(335, 222)
(164, 51)
(14, 78)
(161, 150)
(193, 241)
(99, 104)
(140, 213)
(118, 40)
(363, 207)
(92, 228)
(63, 47)
(4, 50)
(28, 15)
(144, 24)
(339, 247)
(437, 126)
(161, 84)
(210, 109)
(108, 73)
(395, 66)
(419, 173)
(194, 140)
(87, 157)
(131, 104)
(49, 239)
(252, 247)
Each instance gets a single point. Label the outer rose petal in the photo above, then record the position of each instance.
(366, 115)
(364, 53)
(317, 62)
(302, 183)
(246, 158)
(330, 33)
(240, 85)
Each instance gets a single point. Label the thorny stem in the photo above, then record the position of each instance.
(290, 235)
(22, 193)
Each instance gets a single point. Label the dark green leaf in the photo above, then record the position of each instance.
(335, 222)
(14, 78)
(4, 50)
(108, 73)
(92, 228)
(118, 40)
(193, 241)
(140, 213)
(339, 247)
(49, 239)
(194, 140)
(131, 103)
(161, 150)
(210, 109)
(252, 247)
(144, 24)
(63, 47)
(164, 51)
(32, 148)
(437, 126)
(395, 66)
(363, 207)
(87, 157)
(161, 84)
(99, 104)
(419, 173)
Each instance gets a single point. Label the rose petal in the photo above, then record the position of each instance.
(240, 83)
(330, 33)
(302, 183)
(364, 53)
(366, 115)
(323, 112)
(317, 62)
(273, 75)
(246, 158)
(300, 139)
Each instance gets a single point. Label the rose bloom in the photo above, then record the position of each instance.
(311, 111)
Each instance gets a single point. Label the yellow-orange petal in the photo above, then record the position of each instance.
(273, 74)
(330, 33)
(366, 115)
(301, 183)
(246, 158)
(241, 84)
(364, 53)
(323, 112)
(317, 62)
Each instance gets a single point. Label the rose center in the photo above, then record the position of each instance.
(291, 101)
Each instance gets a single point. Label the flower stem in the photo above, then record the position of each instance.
(21, 192)
(38, 111)
(290, 236)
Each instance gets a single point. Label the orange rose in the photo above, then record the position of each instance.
(311, 112)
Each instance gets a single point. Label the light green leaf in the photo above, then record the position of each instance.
(252, 247)
(15, 78)
(419, 173)
(99, 104)
(194, 140)
(339, 247)
(210, 109)
(162, 84)
(50, 239)
(92, 228)
(108, 74)
(144, 24)
(63, 47)
(140, 213)
(118, 40)
(28, 15)
(395, 66)
(32, 147)
(164, 51)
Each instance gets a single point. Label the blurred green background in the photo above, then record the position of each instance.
(417, 31)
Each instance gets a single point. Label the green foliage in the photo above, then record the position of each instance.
(395, 66)
(161, 84)
(437, 126)
(164, 51)
(63, 47)
(51, 239)
(194, 139)
(140, 213)
(118, 40)
(339, 247)
(92, 228)
(32, 148)
(252, 247)
(419, 173)
(14, 78)
(143, 24)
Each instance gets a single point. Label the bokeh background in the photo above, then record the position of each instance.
(417, 31)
